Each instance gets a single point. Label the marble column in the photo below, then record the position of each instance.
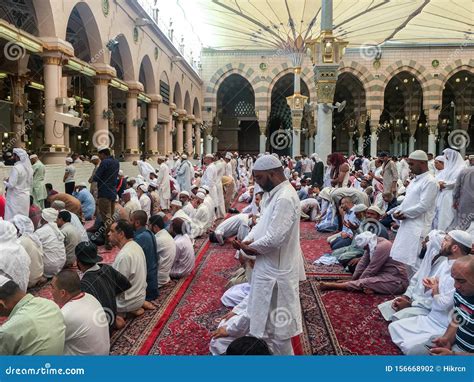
(208, 139)
(324, 135)
(19, 106)
(215, 144)
(432, 140)
(102, 136)
(360, 145)
(152, 126)
(310, 145)
(132, 150)
(169, 128)
(197, 138)
(262, 126)
(351, 143)
(180, 131)
(53, 151)
(374, 126)
(188, 131)
(433, 120)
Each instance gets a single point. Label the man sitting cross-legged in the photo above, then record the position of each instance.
(87, 329)
(165, 249)
(376, 272)
(101, 281)
(184, 261)
(131, 263)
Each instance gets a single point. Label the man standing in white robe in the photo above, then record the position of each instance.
(209, 179)
(415, 213)
(163, 182)
(38, 190)
(220, 166)
(274, 303)
(184, 174)
(18, 185)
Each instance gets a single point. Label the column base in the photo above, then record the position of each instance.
(131, 155)
(54, 154)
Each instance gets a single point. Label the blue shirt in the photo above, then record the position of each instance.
(350, 217)
(106, 178)
(145, 239)
(87, 202)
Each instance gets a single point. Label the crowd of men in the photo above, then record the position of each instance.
(401, 226)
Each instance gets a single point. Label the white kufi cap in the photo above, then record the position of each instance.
(266, 162)
(419, 155)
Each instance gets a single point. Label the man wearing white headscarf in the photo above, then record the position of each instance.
(376, 272)
(163, 182)
(38, 190)
(33, 247)
(185, 174)
(18, 185)
(417, 300)
(14, 261)
(131, 202)
(446, 178)
(52, 240)
(279, 262)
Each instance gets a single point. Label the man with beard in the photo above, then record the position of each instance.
(275, 241)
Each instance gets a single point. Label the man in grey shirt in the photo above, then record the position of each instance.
(71, 236)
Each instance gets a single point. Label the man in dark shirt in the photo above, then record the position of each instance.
(101, 281)
(106, 178)
(146, 239)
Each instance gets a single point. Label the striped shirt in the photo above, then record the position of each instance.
(464, 313)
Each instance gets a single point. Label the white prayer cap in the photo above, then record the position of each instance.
(50, 215)
(82, 184)
(267, 162)
(143, 187)
(202, 190)
(205, 187)
(185, 193)
(184, 156)
(209, 156)
(359, 208)
(440, 158)
(375, 209)
(326, 193)
(94, 157)
(69, 160)
(58, 205)
(176, 203)
(418, 155)
(3, 280)
(33, 156)
(200, 195)
(162, 157)
(120, 172)
(228, 156)
(9, 154)
(128, 191)
(154, 184)
(462, 237)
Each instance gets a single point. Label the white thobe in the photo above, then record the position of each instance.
(145, 169)
(235, 225)
(38, 190)
(184, 260)
(18, 194)
(54, 251)
(201, 221)
(87, 328)
(418, 208)
(404, 171)
(274, 295)
(184, 175)
(166, 251)
(164, 189)
(132, 205)
(15, 263)
(408, 334)
(235, 295)
(35, 252)
(220, 165)
(145, 204)
(189, 209)
(76, 222)
(310, 206)
(131, 263)
(209, 179)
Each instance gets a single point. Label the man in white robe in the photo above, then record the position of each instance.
(220, 166)
(184, 174)
(200, 220)
(165, 248)
(144, 199)
(416, 212)
(163, 183)
(417, 300)
(131, 263)
(14, 261)
(52, 240)
(274, 303)
(18, 185)
(33, 247)
(209, 179)
(59, 205)
(144, 169)
(412, 334)
(38, 189)
(185, 199)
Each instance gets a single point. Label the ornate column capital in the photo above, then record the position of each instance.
(325, 78)
(156, 99)
(262, 126)
(181, 114)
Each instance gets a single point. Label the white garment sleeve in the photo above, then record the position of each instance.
(12, 179)
(427, 201)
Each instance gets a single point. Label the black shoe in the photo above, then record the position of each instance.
(233, 211)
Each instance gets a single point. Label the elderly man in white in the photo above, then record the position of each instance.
(163, 182)
(415, 213)
(274, 303)
(18, 185)
(52, 240)
(209, 179)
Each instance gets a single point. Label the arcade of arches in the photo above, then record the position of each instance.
(130, 88)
